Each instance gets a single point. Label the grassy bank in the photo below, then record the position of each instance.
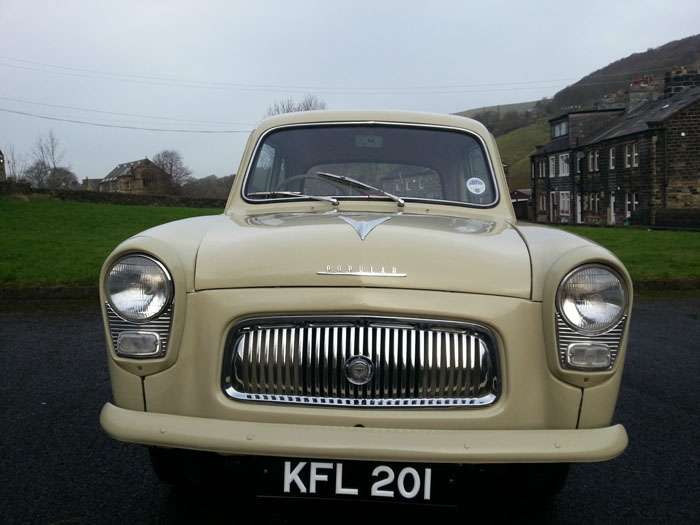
(46, 242)
(649, 254)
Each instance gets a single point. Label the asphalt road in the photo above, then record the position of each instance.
(57, 466)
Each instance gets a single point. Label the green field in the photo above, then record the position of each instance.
(649, 254)
(517, 146)
(46, 242)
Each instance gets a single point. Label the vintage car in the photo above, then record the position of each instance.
(366, 319)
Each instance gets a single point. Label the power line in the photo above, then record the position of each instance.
(328, 90)
(124, 114)
(83, 122)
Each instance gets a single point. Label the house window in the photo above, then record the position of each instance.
(552, 165)
(543, 202)
(631, 204)
(631, 155)
(147, 182)
(564, 165)
(559, 129)
(611, 158)
(596, 158)
(564, 206)
(543, 168)
(594, 202)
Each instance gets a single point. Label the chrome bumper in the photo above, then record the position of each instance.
(379, 444)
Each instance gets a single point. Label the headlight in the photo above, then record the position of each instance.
(138, 287)
(592, 299)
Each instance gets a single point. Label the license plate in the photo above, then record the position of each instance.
(359, 480)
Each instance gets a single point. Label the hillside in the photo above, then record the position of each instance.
(520, 107)
(619, 74)
(516, 148)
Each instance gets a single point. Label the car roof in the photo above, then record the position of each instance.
(379, 116)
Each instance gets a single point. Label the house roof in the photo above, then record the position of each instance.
(581, 124)
(558, 144)
(123, 169)
(646, 117)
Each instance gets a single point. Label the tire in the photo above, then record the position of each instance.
(168, 466)
(544, 480)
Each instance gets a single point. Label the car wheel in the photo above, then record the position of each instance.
(181, 467)
(168, 465)
(544, 480)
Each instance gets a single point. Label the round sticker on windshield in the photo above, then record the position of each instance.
(476, 186)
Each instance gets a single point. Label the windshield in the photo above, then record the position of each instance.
(382, 162)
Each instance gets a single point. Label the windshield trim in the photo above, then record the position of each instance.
(479, 138)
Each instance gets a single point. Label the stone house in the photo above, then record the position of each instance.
(140, 177)
(621, 166)
(90, 184)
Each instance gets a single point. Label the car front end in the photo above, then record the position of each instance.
(402, 319)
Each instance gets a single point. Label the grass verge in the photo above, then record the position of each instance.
(649, 254)
(47, 242)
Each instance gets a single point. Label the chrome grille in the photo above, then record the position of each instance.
(566, 336)
(160, 325)
(415, 363)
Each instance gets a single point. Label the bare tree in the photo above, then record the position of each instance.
(47, 149)
(289, 105)
(170, 161)
(15, 164)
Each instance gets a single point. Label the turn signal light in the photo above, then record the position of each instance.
(589, 356)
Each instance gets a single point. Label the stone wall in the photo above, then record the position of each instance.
(23, 188)
(683, 169)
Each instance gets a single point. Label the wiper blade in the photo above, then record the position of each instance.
(332, 200)
(352, 182)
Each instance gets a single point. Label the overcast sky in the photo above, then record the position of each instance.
(206, 66)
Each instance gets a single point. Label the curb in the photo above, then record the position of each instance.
(33, 293)
(670, 284)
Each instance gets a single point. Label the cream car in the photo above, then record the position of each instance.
(366, 320)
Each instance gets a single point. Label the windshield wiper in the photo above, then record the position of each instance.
(332, 200)
(352, 182)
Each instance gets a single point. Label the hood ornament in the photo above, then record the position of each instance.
(363, 228)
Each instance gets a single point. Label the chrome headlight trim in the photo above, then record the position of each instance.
(601, 326)
(169, 289)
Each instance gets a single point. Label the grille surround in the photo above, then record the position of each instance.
(567, 336)
(418, 363)
(160, 325)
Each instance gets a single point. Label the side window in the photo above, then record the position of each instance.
(263, 169)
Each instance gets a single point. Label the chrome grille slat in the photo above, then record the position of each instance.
(416, 362)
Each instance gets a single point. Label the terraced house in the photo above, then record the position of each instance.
(622, 165)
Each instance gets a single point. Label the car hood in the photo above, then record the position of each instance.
(398, 251)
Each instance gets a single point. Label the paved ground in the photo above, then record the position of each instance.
(57, 466)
